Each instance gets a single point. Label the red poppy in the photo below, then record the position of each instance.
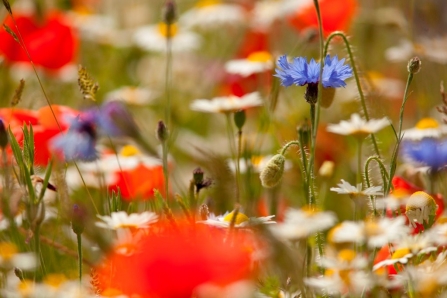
(139, 182)
(172, 262)
(51, 43)
(382, 255)
(336, 15)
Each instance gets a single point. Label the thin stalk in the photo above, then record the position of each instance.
(356, 77)
(359, 161)
(385, 178)
(164, 146)
(79, 239)
(168, 74)
(399, 132)
(238, 166)
(311, 166)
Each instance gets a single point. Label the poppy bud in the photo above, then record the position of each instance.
(272, 173)
(414, 65)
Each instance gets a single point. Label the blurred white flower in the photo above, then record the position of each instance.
(425, 128)
(357, 126)
(208, 14)
(240, 289)
(154, 38)
(351, 282)
(132, 95)
(227, 104)
(256, 62)
(265, 13)
(301, 223)
(241, 221)
(346, 188)
(255, 164)
(421, 208)
(11, 258)
(122, 220)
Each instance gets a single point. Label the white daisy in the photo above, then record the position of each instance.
(357, 126)
(10, 258)
(255, 164)
(346, 188)
(256, 62)
(132, 95)
(242, 220)
(265, 13)
(425, 128)
(122, 220)
(301, 223)
(395, 200)
(154, 38)
(227, 104)
(211, 14)
(353, 282)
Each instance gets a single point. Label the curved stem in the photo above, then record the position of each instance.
(385, 177)
(356, 76)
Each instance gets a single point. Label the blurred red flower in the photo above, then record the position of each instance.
(171, 262)
(52, 43)
(336, 15)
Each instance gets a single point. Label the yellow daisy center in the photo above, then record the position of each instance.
(8, 250)
(256, 160)
(372, 228)
(163, 29)
(347, 255)
(427, 123)
(54, 280)
(399, 194)
(442, 220)
(129, 150)
(240, 217)
(25, 287)
(399, 253)
(261, 56)
(205, 3)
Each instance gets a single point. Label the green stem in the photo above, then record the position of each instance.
(168, 74)
(311, 166)
(359, 161)
(79, 238)
(393, 163)
(238, 169)
(164, 147)
(357, 79)
(385, 178)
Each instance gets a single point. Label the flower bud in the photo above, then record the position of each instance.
(311, 94)
(421, 209)
(304, 133)
(327, 169)
(239, 119)
(272, 173)
(197, 175)
(162, 131)
(414, 65)
(169, 12)
(77, 220)
(3, 135)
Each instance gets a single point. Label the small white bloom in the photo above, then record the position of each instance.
(265, 13)
(346, 188)
(421, 208)
(357, 126)
(209, 15)
(256, 62)
(354, 283)
(255, 164)
(122, 220)
(11, 258)
(227, 104)
(300, 223)
(425, 128)
(241, 221)
(240, 289)
(132, 95)
(154, 38)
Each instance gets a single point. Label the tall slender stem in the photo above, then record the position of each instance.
(168, 74)
(238, 166)
(359, 161)
(79, 239)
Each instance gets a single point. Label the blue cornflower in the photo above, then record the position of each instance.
(426, 145)
(78, 143)
(114, 119)
(299, 72)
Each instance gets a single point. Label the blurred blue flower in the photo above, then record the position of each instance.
(428, 152)
(78, 143)
(114, 119)
(299, 72)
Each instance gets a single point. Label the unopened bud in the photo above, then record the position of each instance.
(421, 209)
(272, 173)
(304, 133)
(19, 273)
(311, 94)
(197, 175)
(169, 12)
(414, 65)
(162, 131)
(3, 135)
(77, 220)
(239, 119)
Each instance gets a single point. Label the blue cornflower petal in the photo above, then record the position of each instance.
(113, 119)
(284, 72)
(299, 71)
(335, 72)
(78, 143)
(313, 72)
(428, 152)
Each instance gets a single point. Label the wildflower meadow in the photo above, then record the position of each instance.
(223, 148)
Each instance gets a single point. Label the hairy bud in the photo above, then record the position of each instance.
(272, 173)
